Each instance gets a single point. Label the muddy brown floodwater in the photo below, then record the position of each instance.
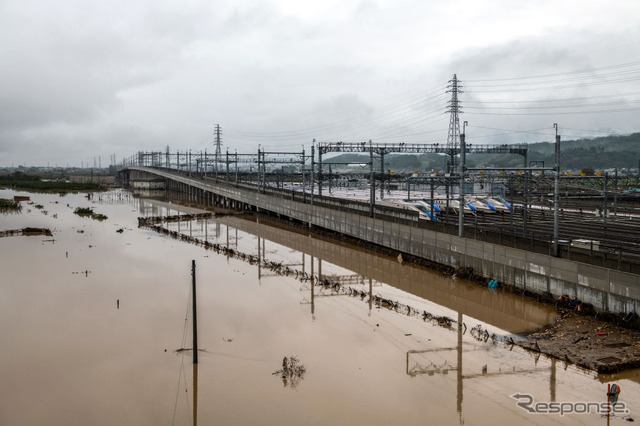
(95, 319)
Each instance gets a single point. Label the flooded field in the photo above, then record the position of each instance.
(96, 329)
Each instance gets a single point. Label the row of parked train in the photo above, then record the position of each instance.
(471, 205)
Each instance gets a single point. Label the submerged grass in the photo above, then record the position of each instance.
(88, 212)
(9, 206)
(84, 211)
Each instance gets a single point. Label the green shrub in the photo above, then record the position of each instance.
(83, 211)
(88, 211)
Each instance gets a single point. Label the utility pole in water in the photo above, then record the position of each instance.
(195, 344)
(195, 318)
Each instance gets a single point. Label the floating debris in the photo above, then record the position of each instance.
(292, 371)
(151, 220)
(36, 231)
(148, 221)
(327, 284)
(29, 232)
(528, 342)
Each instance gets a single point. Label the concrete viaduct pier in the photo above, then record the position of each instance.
(606, 289)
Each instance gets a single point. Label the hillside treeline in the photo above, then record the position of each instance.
(609, 152)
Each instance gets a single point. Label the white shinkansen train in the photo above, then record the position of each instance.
(423, 212)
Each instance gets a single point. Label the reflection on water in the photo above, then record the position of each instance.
(354, 268)
(101, 347)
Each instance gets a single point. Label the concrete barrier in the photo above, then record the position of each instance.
(606, 289)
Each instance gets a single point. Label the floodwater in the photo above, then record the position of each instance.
(93, 321)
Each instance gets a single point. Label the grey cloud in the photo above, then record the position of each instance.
(92, 78)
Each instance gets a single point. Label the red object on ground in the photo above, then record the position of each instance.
(601, 334)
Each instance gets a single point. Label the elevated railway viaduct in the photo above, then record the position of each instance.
(611, 284)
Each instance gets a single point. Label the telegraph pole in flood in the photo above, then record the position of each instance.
(195, 344)
(195, 318)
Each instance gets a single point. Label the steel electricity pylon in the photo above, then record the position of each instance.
(217, 133)
(454, 109)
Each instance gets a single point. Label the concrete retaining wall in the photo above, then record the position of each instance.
(606, 289)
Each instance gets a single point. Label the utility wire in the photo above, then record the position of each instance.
(537, 101)
(560, 87)
(511, 131)
(403, 118)
(589, 70)
(413, 100)
(600, 77)
(619, 103)
(605, 111)
(362, 121)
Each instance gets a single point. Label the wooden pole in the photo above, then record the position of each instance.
(195, 394)
(195, 318)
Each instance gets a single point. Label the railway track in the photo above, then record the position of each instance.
(619, 232)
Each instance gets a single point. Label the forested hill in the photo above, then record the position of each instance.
(609, 152)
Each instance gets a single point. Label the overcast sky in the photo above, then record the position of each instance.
(83, 80)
